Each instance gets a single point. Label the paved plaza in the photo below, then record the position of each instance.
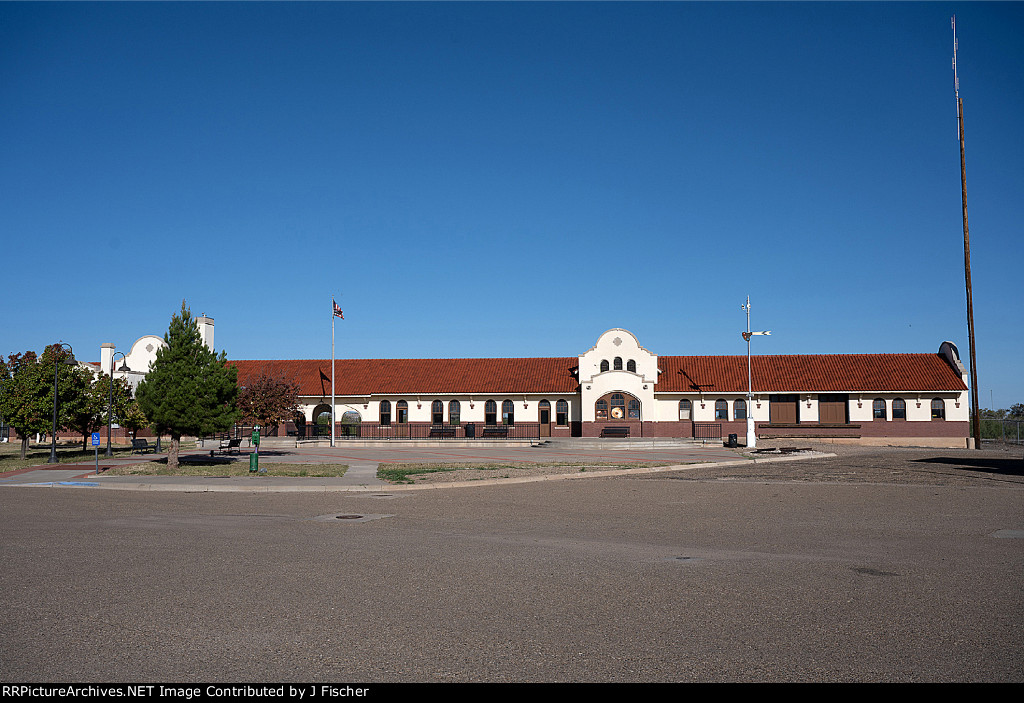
(870, 565)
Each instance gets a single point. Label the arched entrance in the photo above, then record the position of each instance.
(321, 421)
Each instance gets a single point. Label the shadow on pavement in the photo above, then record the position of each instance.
(994, 465)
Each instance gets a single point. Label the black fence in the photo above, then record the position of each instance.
(466, 430)
(707, 430)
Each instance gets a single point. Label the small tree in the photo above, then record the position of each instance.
(134, 419)
(189, 389)
(268, 400)
(26, 392)
(90, 410)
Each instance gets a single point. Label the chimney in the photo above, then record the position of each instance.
(106, 357)
(205, 325)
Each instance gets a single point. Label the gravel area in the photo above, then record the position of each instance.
(849, 464)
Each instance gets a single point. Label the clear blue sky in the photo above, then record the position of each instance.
(512, 179)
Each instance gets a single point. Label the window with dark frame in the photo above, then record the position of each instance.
(721, 409)
(508, 413)
(402, 411)
(562, 413)
(601, 409)
(739, 410)
(899, 409)
(604, 365)
(878, 409)
(437, 413)
(454, 412)
(938, 409)
(490, 413)
(385, 412)
(631, 366)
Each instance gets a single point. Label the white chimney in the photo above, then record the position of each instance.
(205, 325)
(106, 357)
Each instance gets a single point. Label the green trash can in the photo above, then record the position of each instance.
(254, 462)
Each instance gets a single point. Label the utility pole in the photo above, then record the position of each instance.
(967, 250)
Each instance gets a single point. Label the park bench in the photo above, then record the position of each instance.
(229, 445)
(495, 431)
(142, 446)
(441, 432)
(614, 431)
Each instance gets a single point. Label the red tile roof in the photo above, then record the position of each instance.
(825, 373)
(409, 376)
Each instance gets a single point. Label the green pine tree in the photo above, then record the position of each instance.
(189, 389)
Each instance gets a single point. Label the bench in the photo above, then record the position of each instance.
(228, 445)
(142, 445)
(442, 432)
(495, 431)
(614, 431)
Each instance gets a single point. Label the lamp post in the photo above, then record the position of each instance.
(751, 434)
(110, 403)
(56, 365)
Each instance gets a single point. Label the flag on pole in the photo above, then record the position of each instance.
(337, 311)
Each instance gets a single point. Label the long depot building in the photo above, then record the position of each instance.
(619, 388)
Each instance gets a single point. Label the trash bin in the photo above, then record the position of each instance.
(733, 441)
(470, 430)
(254, 462)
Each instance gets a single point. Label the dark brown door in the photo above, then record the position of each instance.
(545, 422)
(832, 408)
(783, 409)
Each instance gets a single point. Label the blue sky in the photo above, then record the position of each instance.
(512, 179)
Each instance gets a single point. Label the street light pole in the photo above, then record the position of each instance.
(56, 366)
(110, 403)
(751, 434)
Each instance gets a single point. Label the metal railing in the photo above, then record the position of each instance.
(467, 430)
(707, 430)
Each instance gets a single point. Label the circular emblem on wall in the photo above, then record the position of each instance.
(149, 347)
(617, 341)
(617, 413)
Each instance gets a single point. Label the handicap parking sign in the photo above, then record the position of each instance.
(95, 439)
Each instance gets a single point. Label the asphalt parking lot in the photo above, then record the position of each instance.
(872, 565)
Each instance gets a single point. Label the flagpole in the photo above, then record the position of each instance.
(333, 315)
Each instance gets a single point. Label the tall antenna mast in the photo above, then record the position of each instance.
(967, 249)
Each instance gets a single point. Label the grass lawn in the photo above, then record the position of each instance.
(193, 466)
(10, 454)
(407, 473)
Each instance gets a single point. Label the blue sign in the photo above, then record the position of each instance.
(95, 439)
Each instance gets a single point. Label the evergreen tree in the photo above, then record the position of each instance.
(189, 389)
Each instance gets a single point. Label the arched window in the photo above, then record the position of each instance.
(490, 413)
(601, 410)
(633, 411)
(402, 410)
(544, 412)
(878, 409)
(562, 413)
(938, 409)
(437, 413)
(899, 409)
(454, 412)
(604, 365)
(631, 366)
(618, 403)
(685, 409)
(721, 409)
(508, 413)
(385, 412)
(617, 364)
(739, 410)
